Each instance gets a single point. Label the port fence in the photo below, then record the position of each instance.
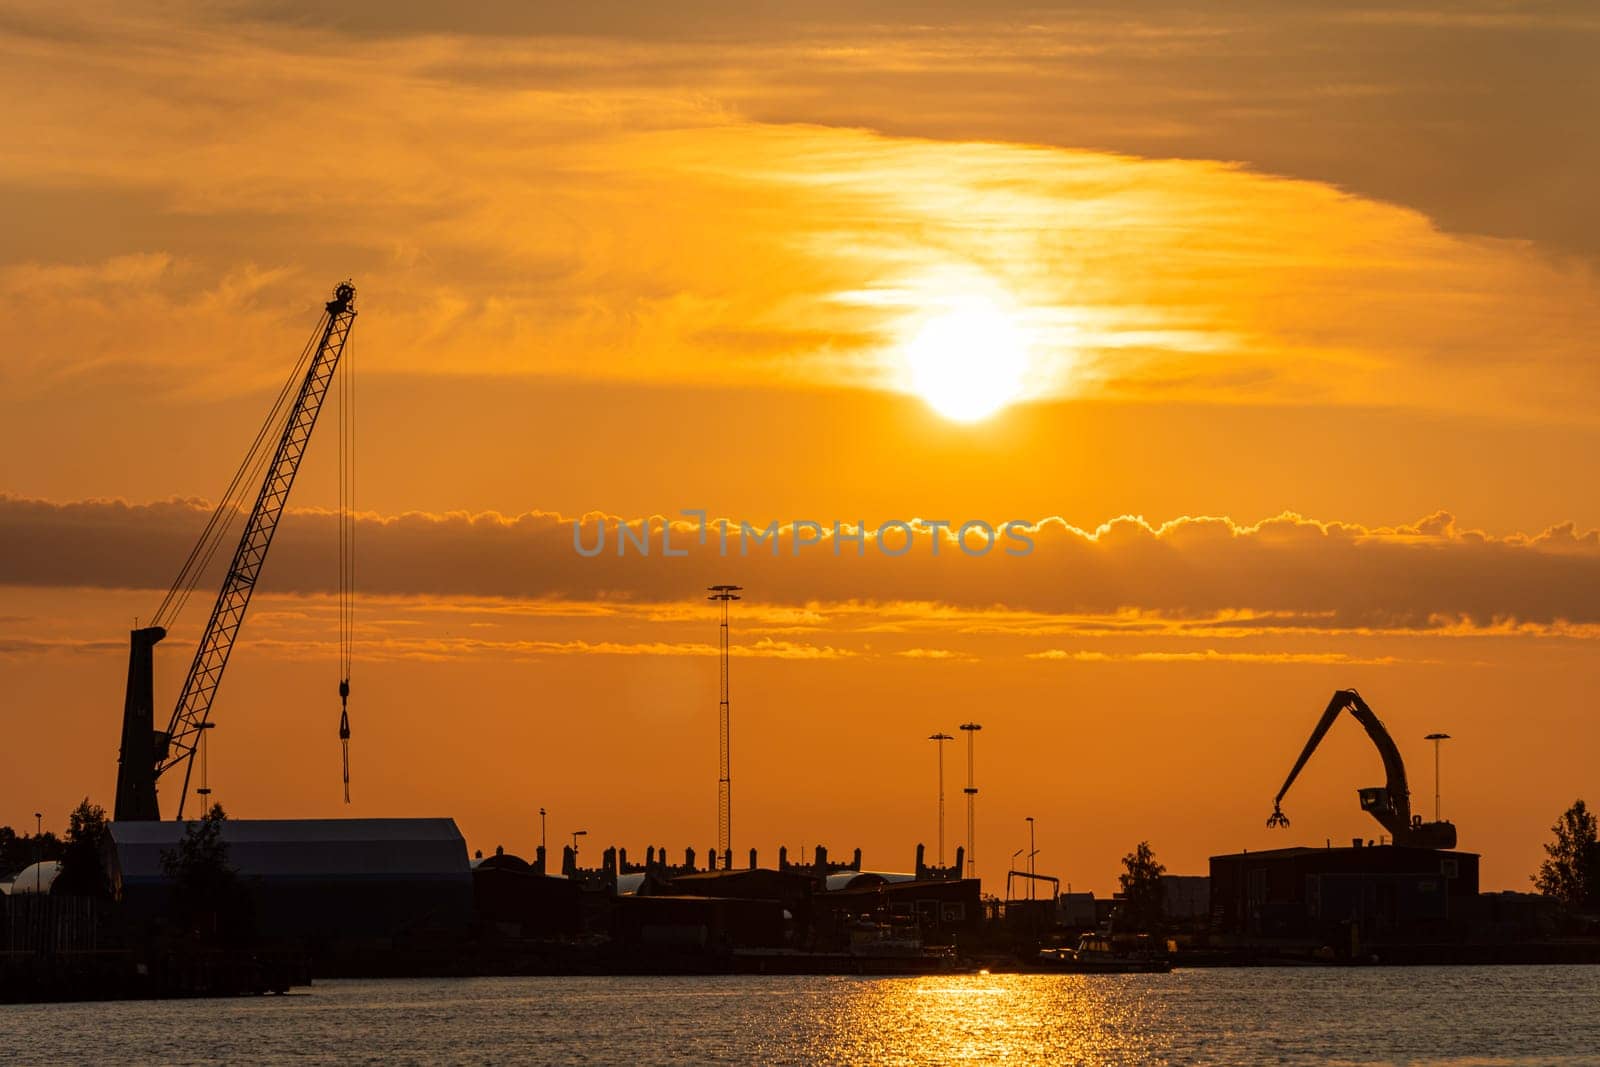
(45, 925)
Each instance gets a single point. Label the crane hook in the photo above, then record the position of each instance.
(344, 732)
(1277, 818)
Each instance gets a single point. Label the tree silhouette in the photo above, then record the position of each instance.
(1142, 903)
(208, 897)
(83, 870)
(1572, 873)
(19, 850)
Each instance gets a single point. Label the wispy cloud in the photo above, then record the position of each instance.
(31, 646)
(1168, 278)
(1211, 655)
(438, 648)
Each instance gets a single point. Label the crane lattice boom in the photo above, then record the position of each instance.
(136, 796)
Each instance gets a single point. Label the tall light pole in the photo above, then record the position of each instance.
(38, 851)
(939, 739)
(971, 730)
(1032, 852)
(542, 839)
(575, 835)
(1436, 739)
(724, 594)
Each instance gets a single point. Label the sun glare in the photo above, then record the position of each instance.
(968, 362)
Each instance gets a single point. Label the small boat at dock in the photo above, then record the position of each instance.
(1095, 954)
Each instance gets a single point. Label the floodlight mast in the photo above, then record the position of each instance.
(971, 730)
(939, 739)
(724, 594)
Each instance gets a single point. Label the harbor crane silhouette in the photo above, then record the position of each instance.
(148, 753)
(1389, 803)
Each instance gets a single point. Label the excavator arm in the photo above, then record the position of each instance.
(1390, 803)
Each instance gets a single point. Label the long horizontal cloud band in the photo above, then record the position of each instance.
(1345, 574)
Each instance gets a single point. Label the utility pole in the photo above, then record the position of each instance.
(724, 594)
(1436, 739)
(542, 839)
(38, 852)
(971, 730)
(939, 739)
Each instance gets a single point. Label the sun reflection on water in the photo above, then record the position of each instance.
(1447, 1017)
(977, 1019)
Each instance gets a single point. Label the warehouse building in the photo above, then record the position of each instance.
(516, 899)
(316, 882)
(939, 912)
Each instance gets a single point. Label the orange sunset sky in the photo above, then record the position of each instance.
(1281, 318)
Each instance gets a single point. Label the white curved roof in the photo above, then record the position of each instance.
(38, 877)
(840, 880)
(845, 879)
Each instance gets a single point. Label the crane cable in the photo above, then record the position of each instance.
(347, 548)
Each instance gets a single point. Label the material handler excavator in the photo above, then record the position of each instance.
(1390, 803)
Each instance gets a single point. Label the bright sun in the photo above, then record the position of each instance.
(968, 362)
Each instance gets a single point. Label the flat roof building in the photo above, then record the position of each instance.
(1385, 891)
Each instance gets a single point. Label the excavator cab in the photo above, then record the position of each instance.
(1375, 801)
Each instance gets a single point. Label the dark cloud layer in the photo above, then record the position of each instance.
(1430, 574)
